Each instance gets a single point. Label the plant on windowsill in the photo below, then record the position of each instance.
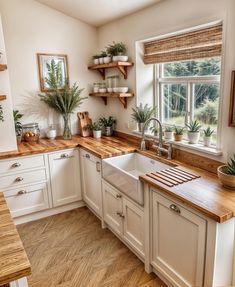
(168, 133)
(207, 136)
(108, 125)
(96, 128)
(178, 134)
(141, 114)
(63, 101)
(193, 132)
(226, 174)
(18, 126)
(154, 131)
(118, 52)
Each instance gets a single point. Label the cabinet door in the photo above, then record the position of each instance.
(179, 238)
(65, 177)
(112, 208)
(133, 228)
(91, 181)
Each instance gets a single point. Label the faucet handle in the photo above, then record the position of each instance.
(142, 145)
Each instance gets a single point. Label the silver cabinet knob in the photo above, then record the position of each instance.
(118, 196)
(19, 178)
(175, 208)
(21, 192)
(16, 164)
(98, 168)
(64, 155)
(87, 155)
(120, 214)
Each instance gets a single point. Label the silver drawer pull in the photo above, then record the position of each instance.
(174, 208)
(98, 166)
(64, 155)
(87, 155)
(16, 164)
(118, 196)
(21, 192)
(120, 214)
(18, 179)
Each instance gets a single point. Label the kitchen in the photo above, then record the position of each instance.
(139, 207)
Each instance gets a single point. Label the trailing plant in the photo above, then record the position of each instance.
(208, 132)
(18, 126)
(116, 49)
(179, 131)
(169, 129)
(193, 126)
(230, 169)
(1, 114)
(107, 122)
(142, 113)
(96, 126)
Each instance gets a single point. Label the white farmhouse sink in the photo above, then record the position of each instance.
(123, 172)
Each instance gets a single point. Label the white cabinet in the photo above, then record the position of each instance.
(65, 177)
(91, 181)
(124, 217)
(178, 242)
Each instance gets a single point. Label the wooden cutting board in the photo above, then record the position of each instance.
(84, 120)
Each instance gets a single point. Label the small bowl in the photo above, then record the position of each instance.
(227, 180)
(107, 60)
(102, 90)
(122, 89)
(110, 90)
(116, 90)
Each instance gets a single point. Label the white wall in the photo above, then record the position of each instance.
(170, 16)
(30, 27)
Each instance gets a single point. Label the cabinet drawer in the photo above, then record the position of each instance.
(22, 178)
(26, 200)
(21, 163)
(89, 156)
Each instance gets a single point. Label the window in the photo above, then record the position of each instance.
(189, 90)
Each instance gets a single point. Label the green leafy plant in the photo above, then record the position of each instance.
(169, 129)
(194, 126)
(142, 113)
(208, 132)
(179, 131)
(96, 57)
(230, 169)
(18, 126)
(154, 130)
(116, 49)
(1, 114)
(96, 126)
(107, 122)
(103, 54)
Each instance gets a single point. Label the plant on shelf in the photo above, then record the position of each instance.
(168, 133)
(117, 51)
(207, 136)
(179, 133)
(108, 124)
(96, 128)
(96, 59)
(141, 114)
(18, 126)
(64, 101)
(193, 131)
(1, 114)
(226, 174)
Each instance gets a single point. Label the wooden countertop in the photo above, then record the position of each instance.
(14, 263)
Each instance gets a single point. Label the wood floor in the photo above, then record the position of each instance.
(72, 250)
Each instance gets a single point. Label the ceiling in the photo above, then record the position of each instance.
(98, 12)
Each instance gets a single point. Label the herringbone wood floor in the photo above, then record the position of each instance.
(72, 250)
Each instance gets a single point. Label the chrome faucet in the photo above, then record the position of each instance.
(160, 149)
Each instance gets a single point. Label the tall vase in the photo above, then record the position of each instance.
(67, 135)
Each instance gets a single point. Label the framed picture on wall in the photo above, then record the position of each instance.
(44, 62)
(232, 102)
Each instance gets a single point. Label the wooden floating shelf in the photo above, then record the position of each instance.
(3, 97)
(121, 66)
(3, 67)
(121, 96)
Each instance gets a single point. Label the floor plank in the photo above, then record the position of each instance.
(72, 250)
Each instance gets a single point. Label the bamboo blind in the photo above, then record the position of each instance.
(197, 44)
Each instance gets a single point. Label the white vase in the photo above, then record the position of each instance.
(96, 61)
(101, 60)
(97, 134)
(168, 135)
(207, 141)
(107, 60)
(193, 137)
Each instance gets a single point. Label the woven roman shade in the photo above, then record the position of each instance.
(203, 43)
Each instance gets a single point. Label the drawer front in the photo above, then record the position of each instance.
(21, 163)
(22, 201)
(22, 178)
(89, 156)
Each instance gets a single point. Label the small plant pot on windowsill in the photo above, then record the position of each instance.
(168, 135)
(178, 138)
(227, 180)
(193, 137)
(97, 134)
(108, 131)
(207, 141)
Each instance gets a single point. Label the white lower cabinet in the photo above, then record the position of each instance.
(124, 217)
(65, 177)
(178, 242)
(91, 181)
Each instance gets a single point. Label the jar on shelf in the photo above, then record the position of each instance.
(96, 87)
(31, 132)
(102, 88)
(115, 81)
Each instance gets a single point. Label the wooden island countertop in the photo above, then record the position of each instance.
(14, 263)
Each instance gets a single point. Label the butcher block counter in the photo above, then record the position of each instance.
(14, 263)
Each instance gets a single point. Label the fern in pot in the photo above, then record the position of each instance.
(141, 114)
(208, 132)
(226, 174)
(64, 101)
(108, 124)
(193, 132)
(96, 128)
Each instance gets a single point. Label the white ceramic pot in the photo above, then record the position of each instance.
(96, 61)
(97, 134)
(51, 134)
(207, 141)
(168, 135)
(102, 90)
(120, 58)
(101, 60)
(193, 137)
(107, 60)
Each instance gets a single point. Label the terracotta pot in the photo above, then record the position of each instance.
(227, 180)
(178, 138)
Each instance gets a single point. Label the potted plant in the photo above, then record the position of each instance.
(168, 133)
(96, 128)
(96, 59)
(18, 126)
(64, 101)
(207, 136)
(154, 130)
(118, 52)
(193, 132)
(1, 114)
(141, 114)
(178, 134)
(103, 55)
(226, 174)
(108, 124)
